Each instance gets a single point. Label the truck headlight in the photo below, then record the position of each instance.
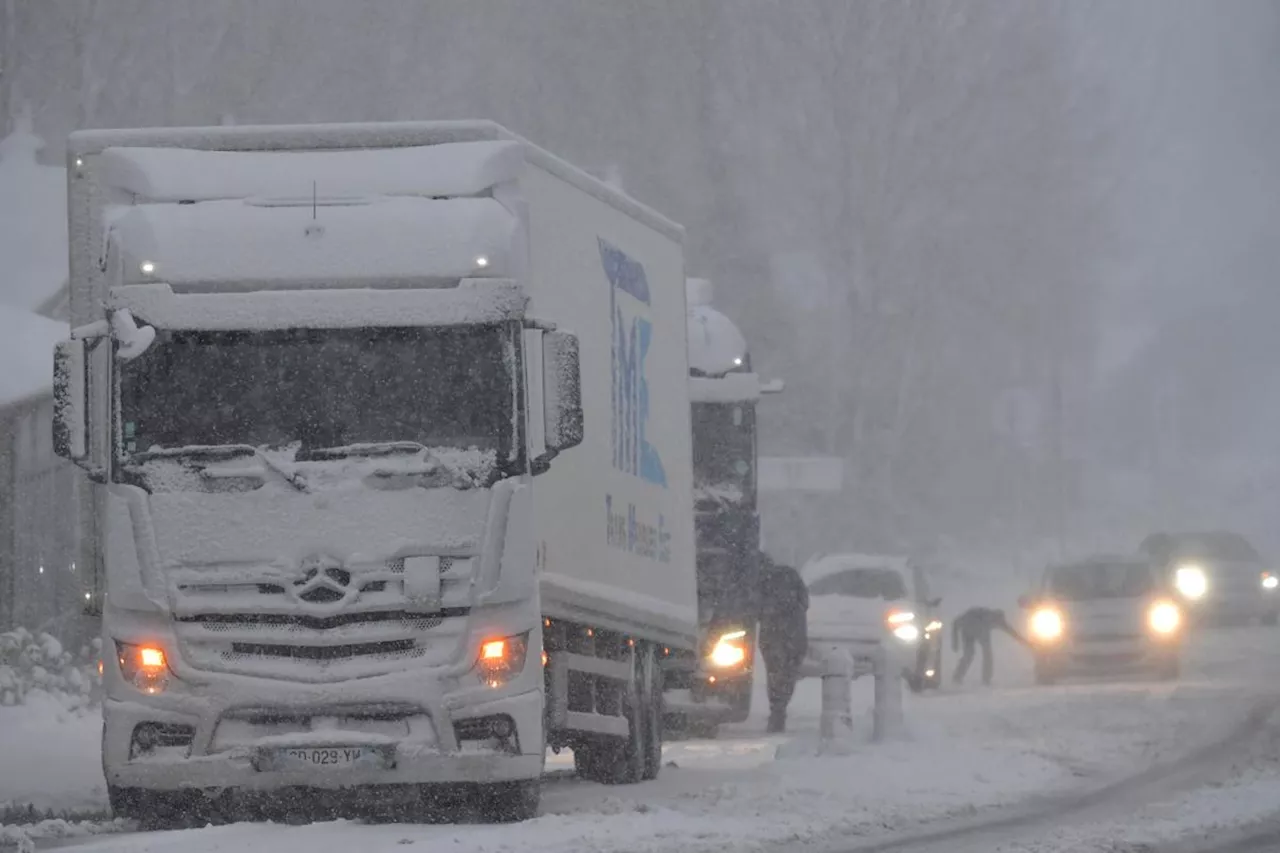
(1270, 581)
(730, 650)
(502, 659)
(1047, 624)
(1191, 581)
(1164, 618)
(145, 667)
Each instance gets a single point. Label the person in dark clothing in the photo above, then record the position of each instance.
(973, 628)
(784, 634)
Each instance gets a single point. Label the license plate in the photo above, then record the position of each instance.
(327, 756)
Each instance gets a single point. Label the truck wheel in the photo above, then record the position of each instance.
(510, 802)
(619, 761)
(651, 696)
(154, 810)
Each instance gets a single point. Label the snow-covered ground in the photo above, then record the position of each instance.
(51, 757)
(962, 752)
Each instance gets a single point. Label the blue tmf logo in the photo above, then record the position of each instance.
(629, 289)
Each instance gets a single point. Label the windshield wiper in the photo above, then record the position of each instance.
(227, 451)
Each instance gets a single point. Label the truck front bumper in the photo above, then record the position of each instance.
(197, 744)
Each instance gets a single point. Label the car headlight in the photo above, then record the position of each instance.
(730, 650)
(1047, 624)
(145, 667)
(933, 626)
(1270, 581)
(908, 633)
(1164, 617)
(902, 624)
(1191, 581)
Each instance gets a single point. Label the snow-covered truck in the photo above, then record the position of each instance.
(714, 686)
(389, 426)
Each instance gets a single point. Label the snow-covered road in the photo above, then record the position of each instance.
(966, 755)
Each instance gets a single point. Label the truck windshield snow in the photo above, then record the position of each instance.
(1101, 580)
(449, 387)
(724, 450)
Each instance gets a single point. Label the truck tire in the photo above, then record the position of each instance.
(619, 761)
(651, 686)
(510, 802)
(155, 810)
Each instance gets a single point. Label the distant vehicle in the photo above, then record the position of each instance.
(859, 602)
(1217, 574)
(1104, 614)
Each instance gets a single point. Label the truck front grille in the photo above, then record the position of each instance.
(323, 652)
(244, 620)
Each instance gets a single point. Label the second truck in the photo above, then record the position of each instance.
(389, 431)
(715, 686)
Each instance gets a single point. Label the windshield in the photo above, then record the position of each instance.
(446, 387)
(862, 583)
(724, 436)
(1101, 580)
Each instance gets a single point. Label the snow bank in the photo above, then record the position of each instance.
(34, 664)
(50, 757)
(26, 350)
(23, 838)
(33, 227)
(176, 174)
(370, 240)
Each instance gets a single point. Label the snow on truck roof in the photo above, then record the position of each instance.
(188, 174)
(349, 138)
(375, 240)
(716, 345)
(474, 301)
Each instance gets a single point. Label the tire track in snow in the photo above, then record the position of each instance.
(985, 835)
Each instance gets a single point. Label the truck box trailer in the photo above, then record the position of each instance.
(389, 431)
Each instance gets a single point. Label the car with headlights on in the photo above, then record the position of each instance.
(860, 602)
(1104, 615)
(1218, 575)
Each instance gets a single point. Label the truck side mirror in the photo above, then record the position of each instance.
(562, 390)
(70, 429)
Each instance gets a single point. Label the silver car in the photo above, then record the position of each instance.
(1218, 575)
(1104, 615)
